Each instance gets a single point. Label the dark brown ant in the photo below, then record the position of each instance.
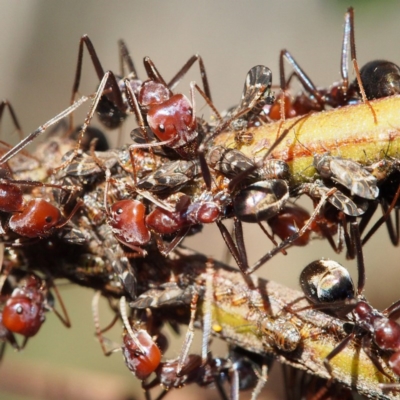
(339, 94)
(328, 286)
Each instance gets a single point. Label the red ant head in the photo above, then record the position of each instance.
(142, 365)
(23, 315)
(127, 219)
(288, 221)
(37, 219)
(173, 121)
(152, 93)
(10, 197)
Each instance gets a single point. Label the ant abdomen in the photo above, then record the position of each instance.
(326, 281)
(22, 315)
(260, 201)
(380, 78)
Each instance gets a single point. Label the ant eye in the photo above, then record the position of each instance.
(161, 128)
(48, 219)
(120, 211)
(19, 310)
(190, 111)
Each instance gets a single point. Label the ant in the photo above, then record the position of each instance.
(113, 105)
(23, 311)
(244, 371)
(339, 94)
(328, 286)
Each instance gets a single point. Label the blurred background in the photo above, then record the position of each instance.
(38, 54)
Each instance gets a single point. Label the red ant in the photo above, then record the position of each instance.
(341, 299)
(36, 218)
(113, 105)
(23, 312)
(134, 229)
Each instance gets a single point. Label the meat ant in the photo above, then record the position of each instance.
(328, 286)
(113, 105)
(338, 95)
(23, 311)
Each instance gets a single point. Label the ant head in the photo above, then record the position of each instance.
(127, 220)
(37, 219)
(173, 121)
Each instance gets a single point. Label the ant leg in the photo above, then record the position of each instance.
(340, 347)
(362, 91)
(63, 317)
(32, 136)
(189, 335)
(166, 249)
(305, 81)
(182, 72)
(393, 232)
(125, 58)
(366, 344)
(5, 103)
(203, 163)
(99, 332)
(84, 40)
(355, 234)
(153, 72)
(262, 380)
(289, 240)
(108, 79)
(134, 104)
(393, 311)
(231, 245)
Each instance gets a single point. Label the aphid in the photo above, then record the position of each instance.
(280, 333)
(348, 173)
(170, 177)
(256, 94)
(340, 201)
(328, 286)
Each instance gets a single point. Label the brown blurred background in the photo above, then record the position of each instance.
(38, 53)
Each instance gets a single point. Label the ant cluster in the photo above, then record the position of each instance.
(114, 219)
